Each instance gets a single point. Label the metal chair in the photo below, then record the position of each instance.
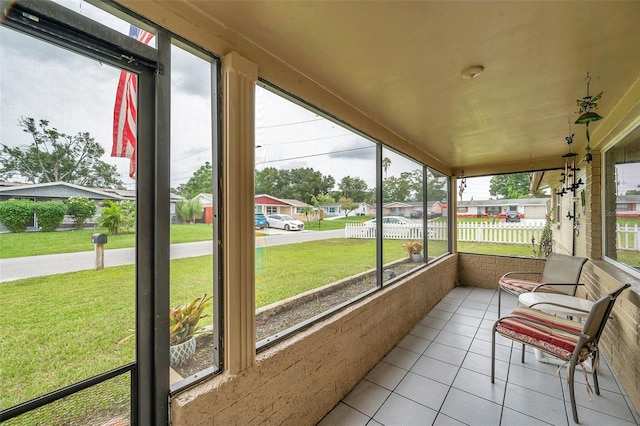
(560, 275)
(568, 340)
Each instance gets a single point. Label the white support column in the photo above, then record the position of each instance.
(238, 96)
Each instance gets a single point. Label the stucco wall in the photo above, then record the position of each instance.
(301, 379)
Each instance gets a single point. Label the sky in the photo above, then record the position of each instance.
(77, 94)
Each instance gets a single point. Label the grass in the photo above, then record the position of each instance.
(39, 243)
(64, 320)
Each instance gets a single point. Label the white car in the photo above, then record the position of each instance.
(284, 221)
(390, 220)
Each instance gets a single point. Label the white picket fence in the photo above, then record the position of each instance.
(509, 233)
(628, 237)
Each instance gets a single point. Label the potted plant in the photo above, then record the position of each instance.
(414, 250)
(183, 328)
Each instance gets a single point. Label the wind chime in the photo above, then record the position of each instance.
(586, 105)
(463, 184)
(568, 181)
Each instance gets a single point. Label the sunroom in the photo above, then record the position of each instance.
(403, 104)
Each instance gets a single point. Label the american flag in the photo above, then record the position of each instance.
(125, 111)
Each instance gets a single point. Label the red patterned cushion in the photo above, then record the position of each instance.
(542, 336)
(523, 286)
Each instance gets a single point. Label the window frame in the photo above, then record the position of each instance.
(608, 188)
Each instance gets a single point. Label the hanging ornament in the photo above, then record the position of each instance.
(586, 104)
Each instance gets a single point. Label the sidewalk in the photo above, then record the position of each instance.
(25, 267)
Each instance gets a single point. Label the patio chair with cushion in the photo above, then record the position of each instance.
(568, 340)
(560, 275)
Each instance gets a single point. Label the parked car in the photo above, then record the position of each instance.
(392, 220)
(416, 214)
(284, 221)
(261, 221)
(432, 215)
(513, 216)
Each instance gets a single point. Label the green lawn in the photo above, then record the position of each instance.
(37, 243)
(64, 320)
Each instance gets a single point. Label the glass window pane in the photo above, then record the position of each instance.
(437, 213)
(192, 214)
(622, 202)
(498, 215)
(315, 185)
(403, 214)
(94, 12)
(67, 308)
(107, 403)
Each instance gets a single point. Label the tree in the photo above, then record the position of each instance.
(200, 183)
(307, 211)
(514, 185)
(348, 205)
(54, 156)
(81, 208)
(436, 189)
(353, 187)
(299, 184)
(189, 210)
(110, 217)
(386, 163)
(128, 210)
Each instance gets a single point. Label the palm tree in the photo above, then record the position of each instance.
(386, 163)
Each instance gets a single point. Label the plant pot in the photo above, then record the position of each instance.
(417, 258)
(181, 353)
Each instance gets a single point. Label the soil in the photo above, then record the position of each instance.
(277, 320)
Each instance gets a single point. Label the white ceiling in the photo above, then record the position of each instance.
(400, 64)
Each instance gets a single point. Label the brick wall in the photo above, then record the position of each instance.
(621, 338)
(483, 270)
(301, 379)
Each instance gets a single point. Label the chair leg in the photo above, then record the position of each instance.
(493, 353)
(523, 353)
(594, 371)
(499, 299)
(570, 379)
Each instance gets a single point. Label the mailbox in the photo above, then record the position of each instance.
(99, 238)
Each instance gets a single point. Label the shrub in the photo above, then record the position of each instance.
(50, 214)
(189, 210)
(16, 215)
(111, 217)
(128, 211)
(81, 208)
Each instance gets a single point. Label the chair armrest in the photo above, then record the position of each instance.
(542, 285)
(521, 273)
(560, 305)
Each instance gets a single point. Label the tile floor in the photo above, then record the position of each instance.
(439, 374)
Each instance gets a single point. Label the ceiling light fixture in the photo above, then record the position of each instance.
(472, 71)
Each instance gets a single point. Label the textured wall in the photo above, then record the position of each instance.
(621, 337)
(483, 270)
(301, 379)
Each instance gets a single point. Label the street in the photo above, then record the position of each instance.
(25, 267)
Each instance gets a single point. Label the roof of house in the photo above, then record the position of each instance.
(285, 201)
(64, 190)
